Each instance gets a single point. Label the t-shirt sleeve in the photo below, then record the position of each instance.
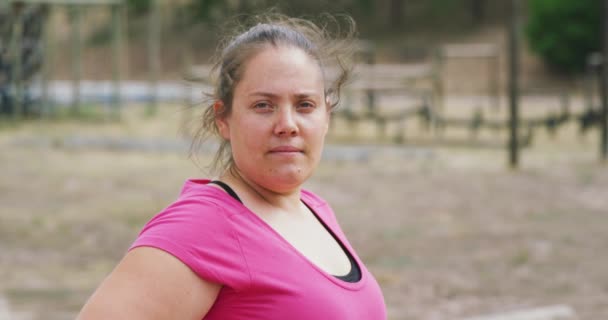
(199, 233)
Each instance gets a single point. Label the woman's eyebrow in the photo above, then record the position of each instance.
(264, 94)
(301, 95)
(307, 95)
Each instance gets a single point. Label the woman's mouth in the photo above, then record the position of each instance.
(285, 149)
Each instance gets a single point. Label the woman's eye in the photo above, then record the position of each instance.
(306, 105)
(262, 106)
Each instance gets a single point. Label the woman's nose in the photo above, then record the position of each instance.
(286, 123)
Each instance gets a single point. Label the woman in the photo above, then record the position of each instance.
(252, 244)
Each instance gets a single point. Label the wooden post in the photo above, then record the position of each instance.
(438, 64)
(477, 11)
(187, 102)
(365, 52)
(125, 62)
(494, 79)
(604, 76)
(116, 59)
(513, 84)
(436, 105)
(593, 60)
(17, 56)
(76, 57)
(395, 13)
(46, 106)
(154, 35)
(370, 60)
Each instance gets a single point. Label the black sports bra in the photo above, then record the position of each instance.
(353, 275)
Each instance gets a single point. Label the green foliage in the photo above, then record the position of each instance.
(212, 11)
(443, 6)
(364, 5)
(564, 32)
(203, 9)
(138, 7)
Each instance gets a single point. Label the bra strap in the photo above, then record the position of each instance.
(227, 189)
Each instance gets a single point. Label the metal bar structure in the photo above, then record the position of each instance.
(74, 8)
(494, 81)
(17, 74)
(76, 49)
(370, 59)
(187, 112)
(46, 107)
(513, 84)
(154, 35)
(437, 99)
(604, 89)
(117, 48)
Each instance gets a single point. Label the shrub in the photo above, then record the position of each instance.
(564, 32)
(138, 7)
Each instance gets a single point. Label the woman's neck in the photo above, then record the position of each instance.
(256, 195)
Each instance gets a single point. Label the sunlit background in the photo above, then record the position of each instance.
(466, 162)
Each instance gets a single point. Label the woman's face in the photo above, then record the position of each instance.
(279, 119)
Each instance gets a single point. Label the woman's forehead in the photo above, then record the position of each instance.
(282, 57)
(281, 68)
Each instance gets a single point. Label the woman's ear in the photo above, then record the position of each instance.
(220, 119)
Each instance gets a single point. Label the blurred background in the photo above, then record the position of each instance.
(466, 161)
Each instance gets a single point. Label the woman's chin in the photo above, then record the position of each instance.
(287, 180)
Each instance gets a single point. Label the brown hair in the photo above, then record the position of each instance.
(326, 43)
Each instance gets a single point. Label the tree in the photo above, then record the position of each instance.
(564, 32)
(138, 7)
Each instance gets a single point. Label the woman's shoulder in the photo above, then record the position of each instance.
(198, 204)
(197, 230)
(200, 191)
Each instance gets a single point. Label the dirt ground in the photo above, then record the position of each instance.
(448, 232)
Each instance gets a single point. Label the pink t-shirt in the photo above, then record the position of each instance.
(263, 276)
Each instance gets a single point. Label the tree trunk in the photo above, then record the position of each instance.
(396, 9)
(477, 11)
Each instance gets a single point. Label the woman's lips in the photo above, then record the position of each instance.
(285, 149)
